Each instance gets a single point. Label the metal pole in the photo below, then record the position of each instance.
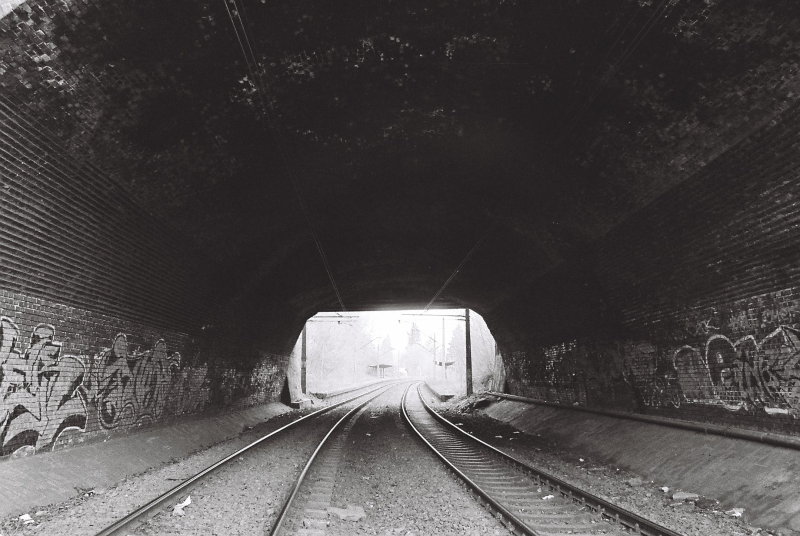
(468, 355)
(444, 352)
(434, 357)
(303, 362)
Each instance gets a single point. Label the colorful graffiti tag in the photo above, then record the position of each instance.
(40, 390)
(131, 387)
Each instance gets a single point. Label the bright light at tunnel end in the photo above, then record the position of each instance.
(341, 349)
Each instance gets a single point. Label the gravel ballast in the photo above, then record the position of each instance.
(382, 471)
(274, 463)
(403, 488)
(694, 516)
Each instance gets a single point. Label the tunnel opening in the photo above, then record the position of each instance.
(451, 349)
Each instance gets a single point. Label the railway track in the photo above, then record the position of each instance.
(128, 523)
(525, 499)
(307, 516)
(308, 508)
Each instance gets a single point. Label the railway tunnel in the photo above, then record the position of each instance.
(611, 185)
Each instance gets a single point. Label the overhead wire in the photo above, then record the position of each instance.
(458, 269)
(250, 60)
(626, 52)
(238, 37)
(663, 10)
(241, 14)
(599, 68)
(261, 89)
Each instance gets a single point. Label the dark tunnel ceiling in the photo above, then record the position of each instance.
(410, 128)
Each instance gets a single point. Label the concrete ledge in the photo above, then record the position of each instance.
(777, 440)
(304, 403)
(440, 392)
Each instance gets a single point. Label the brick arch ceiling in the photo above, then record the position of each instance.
(403, 133)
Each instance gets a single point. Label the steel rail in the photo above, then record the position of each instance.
(505, 515)
(132, 518)
(276, 527)
(631, 520)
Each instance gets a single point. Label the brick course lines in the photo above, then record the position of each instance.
(71, 375)
(707, 283)
(85, 236)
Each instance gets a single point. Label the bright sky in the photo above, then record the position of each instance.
(7, 6)
(397, 324)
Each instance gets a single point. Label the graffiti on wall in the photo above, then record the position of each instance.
(745, 374)
(46, 396)
(44, 393)
(745, 357)
(652, 377)
(41, 393)
(132, 387)
(748, 373)
(742, 358)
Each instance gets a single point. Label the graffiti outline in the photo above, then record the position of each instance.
(41, 393)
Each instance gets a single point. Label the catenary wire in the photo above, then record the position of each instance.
(463, 262)
(261, 89)
(627, 52)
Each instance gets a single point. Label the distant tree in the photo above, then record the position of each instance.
(456, 354)
(338, 352)
(384, 356)
(414, 335)
(415, 359)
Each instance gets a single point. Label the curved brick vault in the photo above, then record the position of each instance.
(626, 167)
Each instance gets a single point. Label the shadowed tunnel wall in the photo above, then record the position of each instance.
(688, 308)
(100, 306)
(692, 307)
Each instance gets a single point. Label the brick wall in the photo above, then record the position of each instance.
(101, 304)
(68, 375)
(706, 284)
(73, 235)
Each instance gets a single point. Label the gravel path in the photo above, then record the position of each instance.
(699, 518)
(401, 486)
